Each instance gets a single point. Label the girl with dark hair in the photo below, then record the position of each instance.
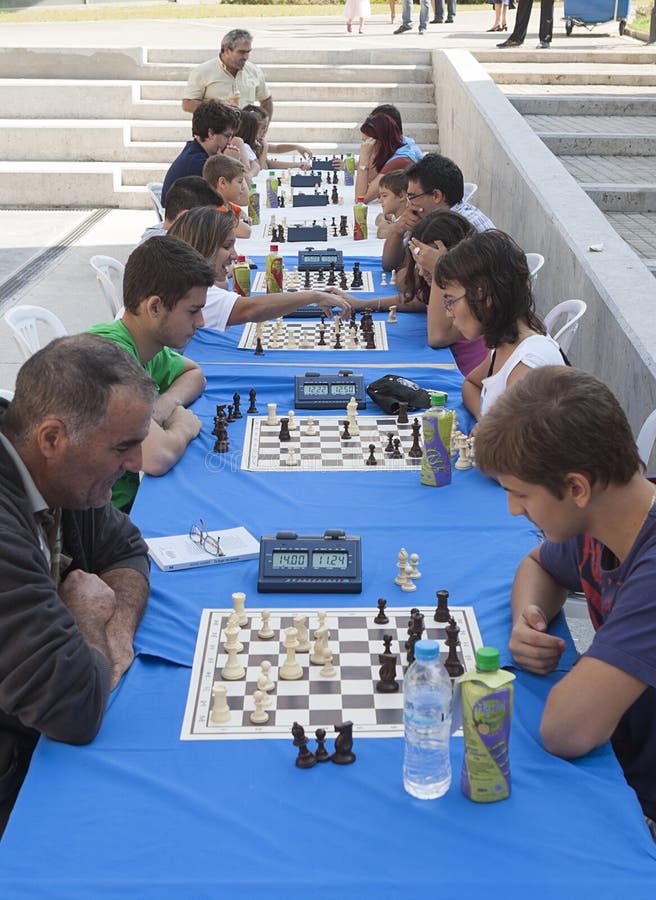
(486, 287)
(261, 148)
(383, 150)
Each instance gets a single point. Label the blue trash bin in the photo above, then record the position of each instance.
(594, 12)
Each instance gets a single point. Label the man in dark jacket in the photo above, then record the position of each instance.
(73, 570)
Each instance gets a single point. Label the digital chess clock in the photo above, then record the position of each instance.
(316, 391)
(310, 563)
(313, 260)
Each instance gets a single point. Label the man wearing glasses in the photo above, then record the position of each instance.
(213, 127)
(435, 182)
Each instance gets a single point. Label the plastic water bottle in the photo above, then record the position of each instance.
(427, 724)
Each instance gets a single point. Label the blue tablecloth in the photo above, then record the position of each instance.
(140, 814)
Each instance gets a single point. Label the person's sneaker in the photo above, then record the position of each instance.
(437, 21)
(543, 45)
(510, 43)
(422, 31)
(403, 28)
(449, 21)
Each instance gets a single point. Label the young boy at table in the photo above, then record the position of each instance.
(392, 191)
(560, 445)
(164, 291)
(228, 178)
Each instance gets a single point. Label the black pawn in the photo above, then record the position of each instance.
(343, 754)
(346, 434)
(372, 461)
(442, 613)
(259, 349)
(332, 277)
(251, 395)
(381, 618)
(231, 414)
(338, 344)
(322, 337)
(237, 413)
(321, 754)
(396, 453)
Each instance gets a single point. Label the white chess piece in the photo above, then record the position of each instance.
(402, 562)
(392, 315)
(272, 418)
(238, 602)
(393, 277)
(320, 649)
(292, 420)
(290, 459)
(414, 571)
(233, 669)
(463, 461)
(290, 670)
(328, 670)
(409, 584)
(310, 429)
(259, 715)
(220, 709)
(300, 624)
(265, 632)
(265, 676)
(383, 279)
(232, 632)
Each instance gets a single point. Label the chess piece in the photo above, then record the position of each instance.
(371, 460)
(310, 429)
(396, 452)
(233, 669)
(389, 447)
(452, 664)
(345, 435)
(266, 632)
(292, 420)
(392, 315)
(259, 349)
(290, 459)
(402, 562)
(414, 571)
(442, 613)
(381, 618)
(387, 683)
(284, 434)
(236, 412)
(415, 452)
(252, 408)
(290, 670)
(402, 417)
(328, 670)
(383, 279)
(302, 636)
(393, 277)
(264, 682)
(321, 754)
(238, 602)
(272, 418)
(259, 715)
(408, 586)
(220, 709)
(321, 649)
(343, 754)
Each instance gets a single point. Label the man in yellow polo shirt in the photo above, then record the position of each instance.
(231, 77)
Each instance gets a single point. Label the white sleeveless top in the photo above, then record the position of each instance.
(534, 351)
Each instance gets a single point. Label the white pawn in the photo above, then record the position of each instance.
(300, 624)
(265, 677)
(414, 571)
(409, 584)
(220, 709)
(310, 429)
(290, 670)
(290, 459)
(393, 277)
(328, 670)
(292, 420)
(259, 715)
(383, 279)
(265, 632)
(392, 315)
(401, 564)
(238, 601)
(272, 418)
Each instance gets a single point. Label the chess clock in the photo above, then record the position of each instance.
(316, 391)
(310, 563)
(314, 260)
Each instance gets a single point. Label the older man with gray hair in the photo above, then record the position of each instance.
(231, 77)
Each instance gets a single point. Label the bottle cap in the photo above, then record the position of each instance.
(273, 248)
(253, 186)
(487, 659)
(272, 174)
(438, 399)
(427, 649)
(241, 259)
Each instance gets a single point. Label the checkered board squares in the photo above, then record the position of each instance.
(313, 701)
(325, 451)
(296, 280)
(293, 334)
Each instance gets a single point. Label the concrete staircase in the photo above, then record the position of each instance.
(601, 123)
(111, 121)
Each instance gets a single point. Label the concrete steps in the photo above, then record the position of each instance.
(607, 143)
(112, 120)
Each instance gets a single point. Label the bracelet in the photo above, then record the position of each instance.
(363, 168)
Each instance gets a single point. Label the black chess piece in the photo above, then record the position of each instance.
(343, 283)
(231, 414)
(343, 226)
(417, 621)
(452, 664)
(396, 453)
(346, 434)
(387, 683)
(442, 613)
(321, 754)
(338, 344)
(259, 349)
(281, 201)
(322, 336)
(415, 451)
(372, 461)
(252, 395)
(370, 341)
(321, 277)
(334, 197)
(236, 399)
(343, 754)
(307, 282)
(284, 430)
(299, 734)
(306, 758)
(381, 618)
(389, 447)
(402, 417)
(410, 647)
(332, 275)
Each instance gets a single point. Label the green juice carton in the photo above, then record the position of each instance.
(254, 205)
(274, 268)
(241, 277)
(349, 170)
(272, 185)
(436, 427)
(487, 701)
(360, 220)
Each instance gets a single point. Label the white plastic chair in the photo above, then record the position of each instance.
(24, 323)
(109, 273)
(6, 394)
(571, 310)
(647, 437)
(469, 191)
(535, 261)
(155, 191)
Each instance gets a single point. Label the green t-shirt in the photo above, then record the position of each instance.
(163, 368)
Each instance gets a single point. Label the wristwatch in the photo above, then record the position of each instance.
(363, 168)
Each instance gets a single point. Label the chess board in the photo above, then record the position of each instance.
(326, 451)
(305, 335)
(295, 280)
(313, 701)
